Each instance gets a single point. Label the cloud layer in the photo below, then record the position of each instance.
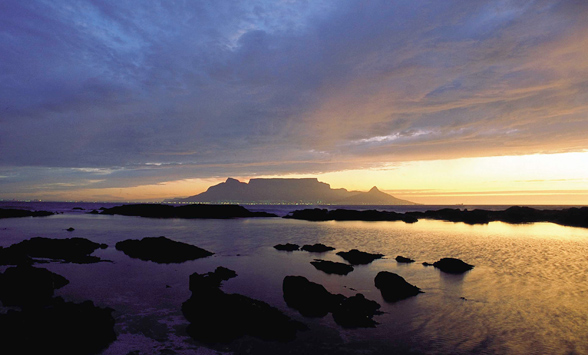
(112, 93)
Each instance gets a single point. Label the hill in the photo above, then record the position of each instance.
(289, 191)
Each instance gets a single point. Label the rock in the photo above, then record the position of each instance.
(70, 229)
(287, 247)
(313, 300)
(216, 316)
(69, 250)
(452, 265)
(77, 209)
(402, 259)
(161, 250)
(427, 264)
(308, 298)
(187, 211)
(14, 213)
(331, 267)
(356, 312)
(318, 214)
(27, 286)
(317, 248)
(356, 257)
(58, 328)
(393, 287)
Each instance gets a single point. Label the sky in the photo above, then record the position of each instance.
(434, 101)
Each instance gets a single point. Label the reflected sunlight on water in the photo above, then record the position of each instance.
(526, 294)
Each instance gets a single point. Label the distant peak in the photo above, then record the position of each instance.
(374, 189)
(232, 181)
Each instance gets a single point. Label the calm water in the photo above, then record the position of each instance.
(526, 295)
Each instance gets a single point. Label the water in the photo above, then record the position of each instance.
(526, 295)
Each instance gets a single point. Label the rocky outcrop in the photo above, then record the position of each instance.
(394, 287)
(161, 250)
(313, 300)
(69, 250)
(331, 267)
(452, 266)
(26, 286)
(203, 211)
(317, 248)
(356, 257)
(318, 215)
(218, 317)
(287, 247)
(402, 259)
(14, 213)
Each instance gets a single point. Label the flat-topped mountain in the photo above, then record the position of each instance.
(287, 191)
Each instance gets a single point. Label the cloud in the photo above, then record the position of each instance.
(200, 89)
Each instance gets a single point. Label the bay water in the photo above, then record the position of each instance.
(526, 295)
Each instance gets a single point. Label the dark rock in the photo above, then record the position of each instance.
(452, 265)
(313, 300)
(14, 213)
(161, 250)
(427, 264)
(216, 316)
(318, 214)
(70, 229)
(69, 250)
(77, 209)
(317, 248)
(393, 287)
(356, 257)
(402, 259)
(58, 328)
(575, 217)
(29, 286)
(187, 211)
(331, 267)
(309, 298)
(287, 247)
(356, 312)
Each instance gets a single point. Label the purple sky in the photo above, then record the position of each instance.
(124, 93)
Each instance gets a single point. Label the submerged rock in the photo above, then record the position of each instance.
(356, 257)
(317, 248)
(58, 328)
(402, 259)
(287, 247)
(331, 267)
(452, 265)
(70, 229)
(216, 316)
(26, 286)
(69, 250)
(394, 287)
(161, 250)
(313, 300)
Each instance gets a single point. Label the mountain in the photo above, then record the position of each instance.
(289, 191)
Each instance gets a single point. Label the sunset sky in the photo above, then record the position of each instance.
(437, 102)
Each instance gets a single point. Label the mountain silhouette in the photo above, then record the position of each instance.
(289, 191)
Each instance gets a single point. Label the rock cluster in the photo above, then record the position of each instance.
(161, 250)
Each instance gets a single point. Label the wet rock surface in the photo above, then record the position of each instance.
(331, 267)
(452, 265)
(317, 248)
(394, 287)
(287, 247)
(313, 300)
(161, 250)
(356, 257)
(29, 286)
(69, 250)
(318, 214)
(187, 211)
(218, 317)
